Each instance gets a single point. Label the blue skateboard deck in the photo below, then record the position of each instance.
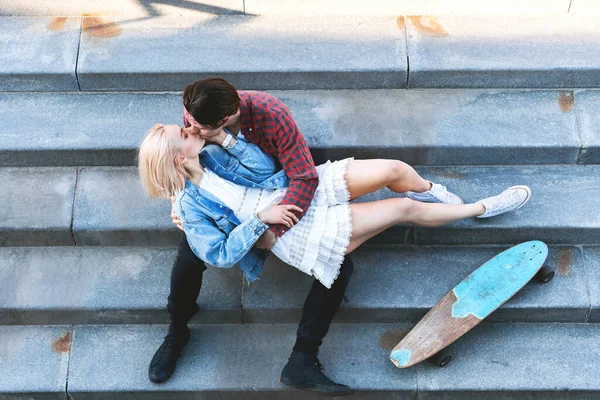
(471, 301)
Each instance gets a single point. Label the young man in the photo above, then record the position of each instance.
(213, 108)
(210, 106)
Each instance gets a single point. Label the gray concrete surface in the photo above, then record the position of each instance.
(421, 127)
(130, 285)
(402, 284)
(588, 103)
(438, 127)
(311, 53)
(479, 51)
(117, 50)
(86, 129)
(592, 265)
(148, 8)
(111, 209)
(37, 206)
(405, 7)
(228, 359)
(34, 362)
(512, 361)
(38, 54)
(108, 285)
(132, 9)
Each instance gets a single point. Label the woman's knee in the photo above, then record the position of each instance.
(396, 169)
(409, 210)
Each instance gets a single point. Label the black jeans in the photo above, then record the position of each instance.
(319, 308)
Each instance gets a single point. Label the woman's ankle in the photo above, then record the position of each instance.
(423, 186)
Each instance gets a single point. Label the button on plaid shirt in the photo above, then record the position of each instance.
(268, 123)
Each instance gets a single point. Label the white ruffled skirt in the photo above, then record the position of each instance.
(317, 244)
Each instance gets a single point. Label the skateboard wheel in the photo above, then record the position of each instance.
(545, 274)
(441, 359)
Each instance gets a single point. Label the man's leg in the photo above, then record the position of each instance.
(186, 280)
(303, 370)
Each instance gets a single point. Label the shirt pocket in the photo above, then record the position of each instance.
(231, 163)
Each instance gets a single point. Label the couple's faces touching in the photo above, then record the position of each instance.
(187, 144)
(190, 141)
(203, 131)
(206, 132)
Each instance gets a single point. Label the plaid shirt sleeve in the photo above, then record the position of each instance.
(295, 159)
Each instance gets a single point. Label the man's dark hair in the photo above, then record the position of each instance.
(210, 100)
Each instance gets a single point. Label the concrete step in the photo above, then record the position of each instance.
(37, 55)
(34, 361)
(508, 361)
(411, 7)
(310, 53)
(38, 206)
(136, 9)
(127, 54)
(120, 285)
(421, 127)
(480, 52)
(105, 206)
(121, 53)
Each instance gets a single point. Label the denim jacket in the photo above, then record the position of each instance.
(213, 232)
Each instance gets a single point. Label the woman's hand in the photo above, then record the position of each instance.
(279, 214)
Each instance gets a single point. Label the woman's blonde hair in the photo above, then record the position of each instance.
(160, 174)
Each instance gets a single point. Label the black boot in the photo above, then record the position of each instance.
(304, 372)
(163, 363)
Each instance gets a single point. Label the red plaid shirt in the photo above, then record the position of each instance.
(268, 123)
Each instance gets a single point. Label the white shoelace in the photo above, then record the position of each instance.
(504, 201)
(444, 195)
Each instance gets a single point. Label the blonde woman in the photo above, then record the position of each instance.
(227, 196)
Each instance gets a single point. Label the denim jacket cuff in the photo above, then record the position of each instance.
(257, 225)
(238, 147)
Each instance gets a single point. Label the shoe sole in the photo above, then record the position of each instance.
(313, 388)
(435, 202)
(526, 188)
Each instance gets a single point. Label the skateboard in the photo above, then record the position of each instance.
(471, 301)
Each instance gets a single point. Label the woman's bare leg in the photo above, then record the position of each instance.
(372, 218)
(366, 176)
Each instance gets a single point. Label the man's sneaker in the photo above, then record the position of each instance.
(163, 363)
(304, 372)
(437, 194)
(511, 199)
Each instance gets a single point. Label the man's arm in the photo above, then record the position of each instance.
(295, 159)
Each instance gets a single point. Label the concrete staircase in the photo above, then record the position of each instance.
(493, 101)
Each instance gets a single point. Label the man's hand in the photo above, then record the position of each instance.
(266, 241)
(175, 217)
(219, 138)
